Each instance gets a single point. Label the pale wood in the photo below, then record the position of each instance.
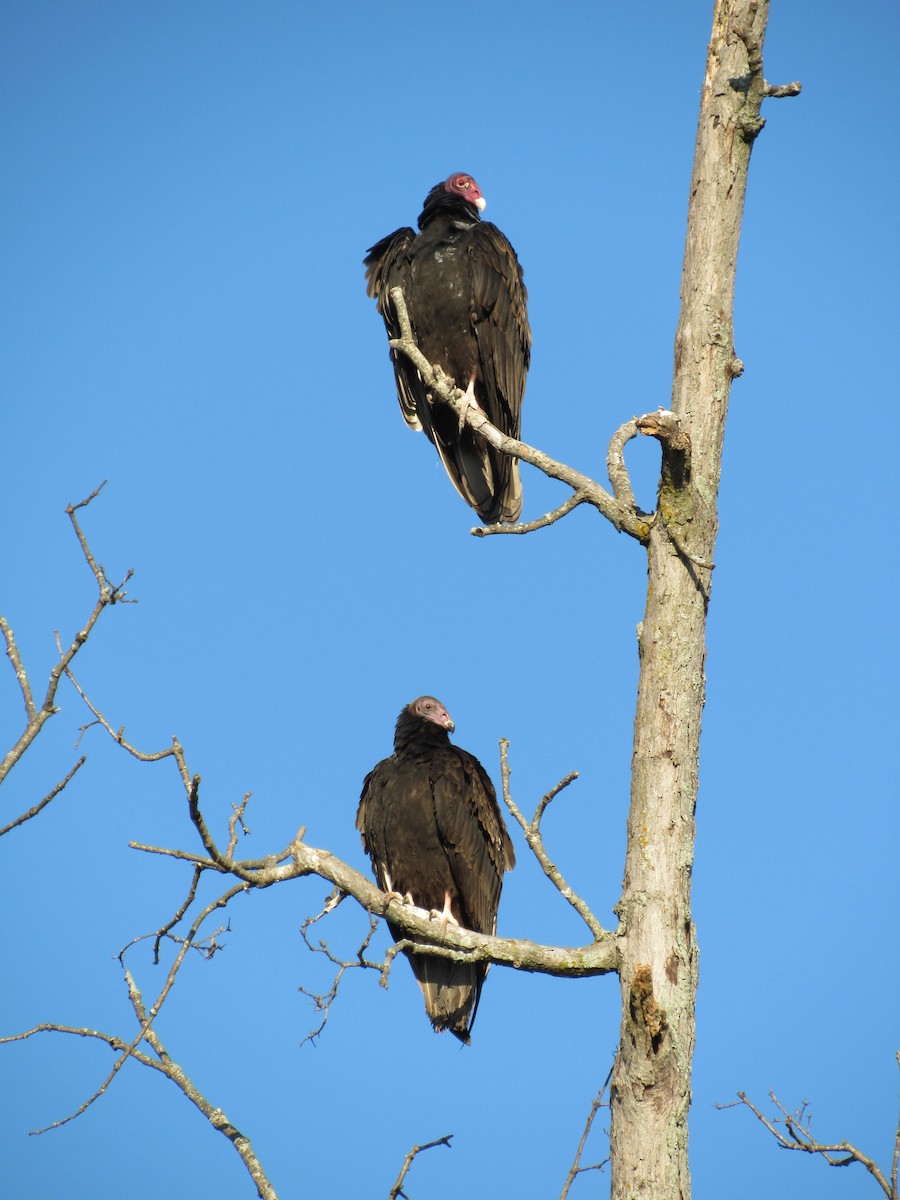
(650, 1094)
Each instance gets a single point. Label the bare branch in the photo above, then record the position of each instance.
(797, 1136)
(118, 736)
(166, 1066)
(534, 838)
(236, 819)
(51, 795)
(300, 859)
(71, 510)
(37, 717)
(12, 653)
(323, 1001)
(116, 1043)
(146, 1018)
(397, 1190)
(615, 464)
(543, 522)
(623, 518)
(576, 1169)
(773, 92)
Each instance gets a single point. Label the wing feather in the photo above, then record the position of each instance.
(472, 830)
(500, 320)
(387, 266)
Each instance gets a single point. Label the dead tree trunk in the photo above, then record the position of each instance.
(651, 1093)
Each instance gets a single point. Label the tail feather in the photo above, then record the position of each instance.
(451, 991)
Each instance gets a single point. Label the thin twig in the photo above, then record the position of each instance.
(576, 1168)
(799, 1137)
(543, 522)
(118, 736)
(534, 838)
(154, 1011)
(237, 818)
(168, 1067)
(397, 1190)
(323, 1001)
(12, 653)
(37, 717)
(51, 795)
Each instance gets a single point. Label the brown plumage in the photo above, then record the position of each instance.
(429, 821)
(468, 306)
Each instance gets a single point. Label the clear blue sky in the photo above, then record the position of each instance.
(188, 193)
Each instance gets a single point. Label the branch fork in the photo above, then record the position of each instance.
(619, 508)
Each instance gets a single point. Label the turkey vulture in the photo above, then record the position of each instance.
(430, 823)
(467, 303)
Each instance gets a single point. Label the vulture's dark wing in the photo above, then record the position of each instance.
(500, 317)
(387, 266)
(470, 827)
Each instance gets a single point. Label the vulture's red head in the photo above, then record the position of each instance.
(460, 184)
(429, 709)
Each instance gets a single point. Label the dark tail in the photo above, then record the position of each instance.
(451, 991)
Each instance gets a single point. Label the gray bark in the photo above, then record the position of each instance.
(650, 1094)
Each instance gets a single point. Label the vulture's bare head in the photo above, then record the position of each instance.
(461, 184)
(427, 708)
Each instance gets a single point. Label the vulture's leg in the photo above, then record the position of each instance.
(446, 916)
(469, 401)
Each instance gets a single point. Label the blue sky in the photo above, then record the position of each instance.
(189, 191)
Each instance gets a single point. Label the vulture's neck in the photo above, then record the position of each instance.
(415, 737)
(439, 203)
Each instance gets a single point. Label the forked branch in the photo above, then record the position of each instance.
(397, 1191)
(36, 717)
(795, 1134)
(535, 840)
(576, 1168)
(619, 508)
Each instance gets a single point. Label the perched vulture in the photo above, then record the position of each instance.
(467, 303)
(430, 823)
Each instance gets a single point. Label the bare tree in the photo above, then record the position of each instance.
(653, 950)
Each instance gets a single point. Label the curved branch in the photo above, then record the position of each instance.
(615, 464)
(543, 522)
(598, 958)
(625, 519)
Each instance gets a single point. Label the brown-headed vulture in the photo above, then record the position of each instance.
(429, 821)
(468, 306)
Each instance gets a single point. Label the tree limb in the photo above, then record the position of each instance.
(36, 717)
(773, 92)
(534, 838)
(51, 795)
(164, 1063)
(797, 1136)
(397, 1190)
(625, 519)
(576, 1169)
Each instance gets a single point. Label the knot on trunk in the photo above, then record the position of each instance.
(646, 1012)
